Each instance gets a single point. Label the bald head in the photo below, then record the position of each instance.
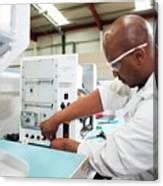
(128, 32)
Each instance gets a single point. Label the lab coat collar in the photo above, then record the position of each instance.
(147, 91)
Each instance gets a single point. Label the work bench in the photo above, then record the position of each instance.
(51, 163)
(48, 163)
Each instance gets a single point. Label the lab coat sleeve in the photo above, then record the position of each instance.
(128, 152)
(114, 95)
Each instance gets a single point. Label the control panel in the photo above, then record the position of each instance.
(48, 84)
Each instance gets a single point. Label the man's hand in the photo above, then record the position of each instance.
(65, 144)
(50, 127)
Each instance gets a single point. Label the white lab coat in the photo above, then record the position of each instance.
(131, 151)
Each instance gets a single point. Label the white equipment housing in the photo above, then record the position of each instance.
(14, 32)
(14, 39)
(49, 83)
(89, 76)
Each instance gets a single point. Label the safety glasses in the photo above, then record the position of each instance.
(116, 63)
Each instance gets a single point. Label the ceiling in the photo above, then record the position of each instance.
(80, 15)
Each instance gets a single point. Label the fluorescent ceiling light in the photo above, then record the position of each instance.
(53, 13)
(143, 5)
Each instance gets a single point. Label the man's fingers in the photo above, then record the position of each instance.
(47, 131)
(51, 137)
(43, 133)
(58, 143)
(46, 135)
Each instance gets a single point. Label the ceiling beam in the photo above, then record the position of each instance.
(42, 27)
(38, 16)
(95, 14)
(147, 15)
(71, 8)
(66, 29)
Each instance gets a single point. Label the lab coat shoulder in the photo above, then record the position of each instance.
(128, 152)
(114, 95)
(134, 142)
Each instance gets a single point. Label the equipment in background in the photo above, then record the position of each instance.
(14, 32)
(10, 103)
(14, 39)
(87, 122)
(88, 85)
(87, 125)
(89, 77)
(49, 84)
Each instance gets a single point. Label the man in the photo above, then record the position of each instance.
(129, 152)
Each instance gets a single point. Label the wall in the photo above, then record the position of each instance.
(103, 69)
(51, 44)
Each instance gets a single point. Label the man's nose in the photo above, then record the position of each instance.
(115, 73)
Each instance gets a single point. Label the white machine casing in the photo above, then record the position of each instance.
(89, 76)
(14, 32)
(14, 39)
(47, 83)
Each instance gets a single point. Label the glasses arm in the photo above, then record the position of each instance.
(113, 62)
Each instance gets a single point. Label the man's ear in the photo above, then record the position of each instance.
(139, 55)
